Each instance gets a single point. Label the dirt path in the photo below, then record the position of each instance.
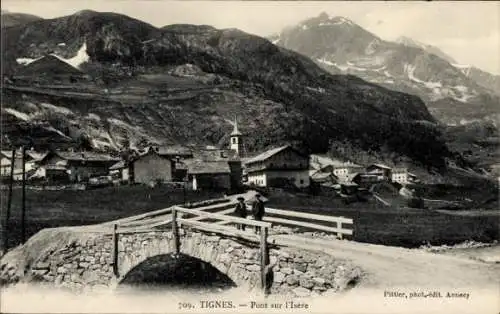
(388, 267)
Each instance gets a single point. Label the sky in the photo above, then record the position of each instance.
(468, 31)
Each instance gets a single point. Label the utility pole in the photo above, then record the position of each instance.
(9, 202)
(23, 212)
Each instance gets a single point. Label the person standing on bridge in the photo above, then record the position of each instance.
(258, 211)
(241, 211)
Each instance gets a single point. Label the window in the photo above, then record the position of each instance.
(301, 181)
(234, 140)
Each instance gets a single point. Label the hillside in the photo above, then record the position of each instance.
(407, 66)
(139, 93)
(12, 19)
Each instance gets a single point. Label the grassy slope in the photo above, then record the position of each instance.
(46, 209)
(397, 226)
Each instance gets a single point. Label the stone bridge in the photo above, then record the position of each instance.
(115, 253)
(85, 260)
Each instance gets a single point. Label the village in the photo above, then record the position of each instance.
(201, 168)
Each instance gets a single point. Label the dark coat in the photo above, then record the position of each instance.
(240, 210)
(258, 210)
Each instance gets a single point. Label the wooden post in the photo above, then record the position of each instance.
(115, 251)
(339, 234)
(264, 258)
(9, 202)
(23, 209)
(175, 232)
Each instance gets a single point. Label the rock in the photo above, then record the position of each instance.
(62, 270)
(320, 263)
(284, 254)
(279, 277)
(253, 267)
(292, 280)
(286, 270)
(247, 261)
(297, 272)
(42, 265)
(273, 260)
(319, 281)
(229, 249)
(40, 272)
(301, 292)
(225, 258)
(306, 283)
(319, 288)
(301, 267)
(59, 279)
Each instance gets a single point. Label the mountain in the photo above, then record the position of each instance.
(338, 43)
(483, 78)
(182, 83)
(12, 19)
(407, 41)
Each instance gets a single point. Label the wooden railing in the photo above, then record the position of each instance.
(177, 219)
(338, 229)
(339, 221)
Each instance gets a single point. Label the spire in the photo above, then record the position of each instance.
(235, 132)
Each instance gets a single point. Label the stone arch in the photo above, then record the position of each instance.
(175, 270)
(239, 262)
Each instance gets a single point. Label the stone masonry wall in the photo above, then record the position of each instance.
(87, 263)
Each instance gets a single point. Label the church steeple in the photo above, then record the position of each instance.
(236, 143)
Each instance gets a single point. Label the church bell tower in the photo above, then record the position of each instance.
(236, 143)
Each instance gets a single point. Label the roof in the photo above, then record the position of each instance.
(207, 167)
(399, 170)
(235, 132)
(319, 162)
(320, 176)
(216, 155)
(36, 155)
(86, 156)
(174, 150)
(267, 154)
(118, 165)
(381, 166)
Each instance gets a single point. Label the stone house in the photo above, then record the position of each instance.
(379, 169)
(75, 166)
(210, 175)
(278, 167)
(32, 159)
(151, 167)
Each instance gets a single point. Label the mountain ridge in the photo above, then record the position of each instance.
(336, 43)
(140, 90)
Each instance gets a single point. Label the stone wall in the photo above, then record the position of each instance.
(87, 263)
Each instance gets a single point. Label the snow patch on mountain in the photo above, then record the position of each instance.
(119, 123)
(324, 61)
(80, 58)
(17, 114)
(410, 70)
(318, 90)
(57, 109)
(93, 116)
(26, 61)
(61, 44)
(465, 69)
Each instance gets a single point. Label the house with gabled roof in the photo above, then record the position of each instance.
(75, 166)
(209, 174)
(277, 167)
